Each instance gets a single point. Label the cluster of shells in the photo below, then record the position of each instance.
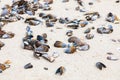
(39, 45)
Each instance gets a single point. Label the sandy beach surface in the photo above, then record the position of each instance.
(81, 64)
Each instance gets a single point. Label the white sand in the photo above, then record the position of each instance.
(79, 66)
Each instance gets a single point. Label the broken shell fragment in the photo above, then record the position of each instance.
(83, 47)
(49, 58)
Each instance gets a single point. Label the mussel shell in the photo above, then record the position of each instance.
(69, 33)
(83, 47)
(37, 55)
(70, 50)
(47, 57)
(28, 66)
(89, 36)
(100, 65)
(2, 67)
(87, 30)
(73, 25)
(60, 70)
(59, 44)
(72, 39)
(1, 44)
(43, 48)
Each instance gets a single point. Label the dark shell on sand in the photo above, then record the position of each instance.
(60, 70)
(89, 36)
(100, 65)
(69, 33)
(72, 39)
(1, 44)
(73, 25)
(33, 21)
(103, 30)
(42, 48)
(87, 30)
(28, 66)
(75, 40)
(37, 55)
(6, 35)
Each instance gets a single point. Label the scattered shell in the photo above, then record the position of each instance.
(87, 30)
(90, 3)
(1, 71)
(77, 8)
(1, 44)
(113, 40)
(83, 23)
(89, 36)
(103, 30)
(8, 35)
(59, 44)
(42, 48)
(49, 58)
(70, 50)
(118, 40)
(33, 21)
(45, 68)
(84, 47)
(60, 70)
(109, 53)
(69, 33)
(28, 66)
(49, 24)
(100, 65)
(72, 39)
(75, 40)
(44, 35)
(37, 55)
(112, 58)
(2, 67)
(117, 1)
(73, 25)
